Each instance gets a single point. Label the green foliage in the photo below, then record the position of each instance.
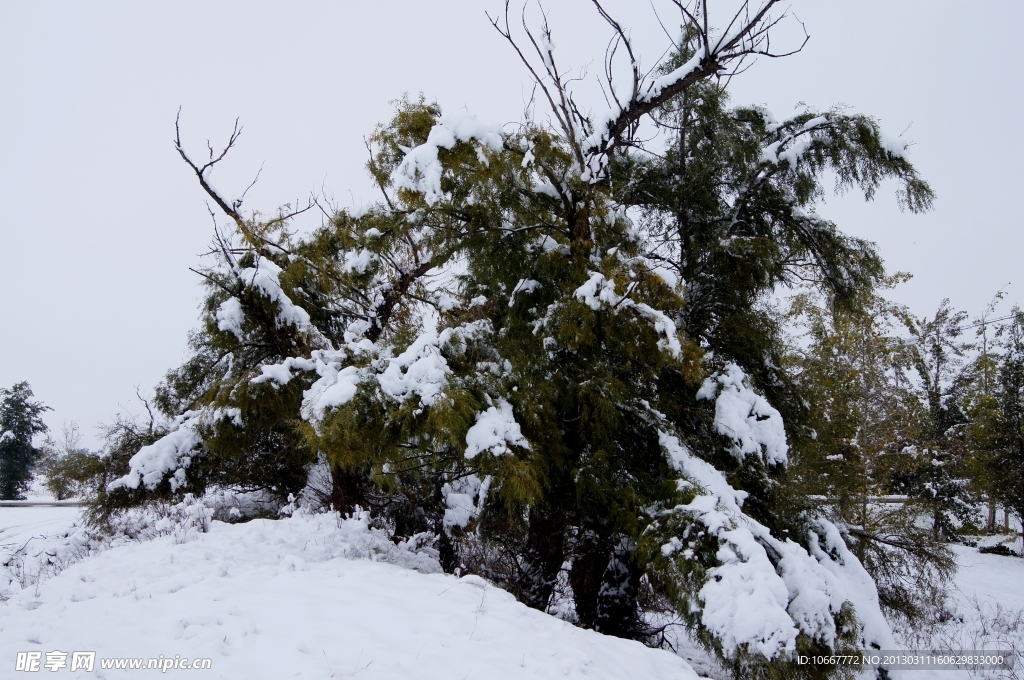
(872, 462)
(60, 461)
(1003, 440)
(93, 472)
(20, 421)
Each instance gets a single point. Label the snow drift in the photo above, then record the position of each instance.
(311, 596)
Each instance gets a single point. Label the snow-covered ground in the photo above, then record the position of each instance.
(292, 598)
(20, 524)
(313, 596)
(987, 608)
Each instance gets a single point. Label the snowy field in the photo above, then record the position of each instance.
(988, 610)
(284, 599)
(312, 597)
(19, 525)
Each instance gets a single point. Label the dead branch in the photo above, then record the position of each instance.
(200, 171)
(747, 34)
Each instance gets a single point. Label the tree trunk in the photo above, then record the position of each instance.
(448, 555)
(990, 525)
(590, 560)
(348, 490)
(542, 558)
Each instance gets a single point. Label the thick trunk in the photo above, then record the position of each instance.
(590, 560)
(542, 558)
(348, 490)
(990, 526)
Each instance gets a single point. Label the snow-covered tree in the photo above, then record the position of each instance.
(945, 376)
(550, 344)
(20, 421)
(1005, 456)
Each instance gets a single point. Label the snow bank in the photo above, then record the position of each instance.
(286, 598)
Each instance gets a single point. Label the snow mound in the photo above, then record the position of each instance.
(310, 596)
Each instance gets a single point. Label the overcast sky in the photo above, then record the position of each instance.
(101, 220)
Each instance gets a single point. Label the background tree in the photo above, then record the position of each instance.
(20, 421)
(856, 370)
(1005, 459)
(58, 458)
(981, 407)
(939, 479)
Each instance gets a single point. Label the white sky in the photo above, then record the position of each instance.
(101, 220)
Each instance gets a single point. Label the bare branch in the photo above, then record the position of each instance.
(229, 210)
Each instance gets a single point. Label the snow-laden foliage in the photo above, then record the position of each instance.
(766, 591)
(464, 499)
(169, 455)
(743, 415)
(421, 171)
(20, 421)
(494, 430)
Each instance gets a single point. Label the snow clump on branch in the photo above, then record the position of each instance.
(766, 591)
(745, 417)
(420, 170)
(494, 430)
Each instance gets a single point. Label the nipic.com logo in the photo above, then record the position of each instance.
(31, 662)
(55, 660)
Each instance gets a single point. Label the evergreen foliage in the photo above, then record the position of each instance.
(1005, 455)
(945, 374)
(870, 461)
(20, 421)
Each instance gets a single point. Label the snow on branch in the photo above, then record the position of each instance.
(765, 592)
(419, 370)
(265, 277)
(494, 430)
(464, 499)
(744, 416)
(598, 291)
(168, 455)
(420, 170)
